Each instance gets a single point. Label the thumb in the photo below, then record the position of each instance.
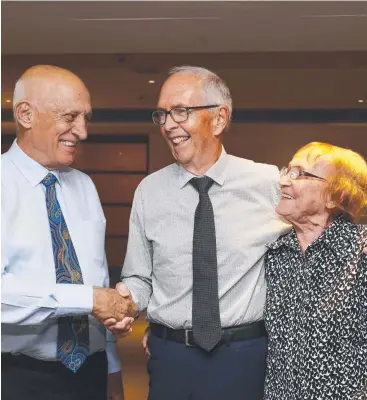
(123, 289)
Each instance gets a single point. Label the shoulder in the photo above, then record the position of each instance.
(5, 157)
(258, 178)
(6, 162)
(354, 232)
(363, 230)
(245, 166)
(158, 178)
(362, 233)
(10, 174)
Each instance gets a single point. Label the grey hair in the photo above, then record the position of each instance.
(215, 88)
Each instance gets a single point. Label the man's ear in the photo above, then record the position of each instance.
(23, 114)
(221, 120)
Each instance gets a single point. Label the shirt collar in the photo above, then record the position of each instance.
(217, 172)
(289, 239)
(338, 236)
(30, 169)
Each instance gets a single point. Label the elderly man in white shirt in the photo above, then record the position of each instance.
(55, 294)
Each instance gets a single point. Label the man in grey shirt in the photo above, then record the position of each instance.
(197, 240)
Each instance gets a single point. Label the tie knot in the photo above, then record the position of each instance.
(49, 180)
(202, 185)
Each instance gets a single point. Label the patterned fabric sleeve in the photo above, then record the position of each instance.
(364, 283)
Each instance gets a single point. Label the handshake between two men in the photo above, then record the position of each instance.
(115, 308)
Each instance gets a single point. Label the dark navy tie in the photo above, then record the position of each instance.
(206, 323)
(73, 332)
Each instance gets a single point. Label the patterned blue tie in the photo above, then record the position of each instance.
(73, 332)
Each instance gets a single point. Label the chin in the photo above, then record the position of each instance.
(279, 210)
(65, 162)
(286, 214)
(181, 157)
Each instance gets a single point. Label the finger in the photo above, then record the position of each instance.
(123, 334)
(123, 326)
(125, 322)
(109, 322)
(123, 289)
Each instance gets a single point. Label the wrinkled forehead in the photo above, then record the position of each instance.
(66, 95)
(312, 162)
(181, 89)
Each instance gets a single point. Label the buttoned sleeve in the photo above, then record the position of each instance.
(137, 269)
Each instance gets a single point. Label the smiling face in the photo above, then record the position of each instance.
(303, 200)
(195, 143)
(53, 115)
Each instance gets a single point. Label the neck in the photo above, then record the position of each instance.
(205, 161)
(309, 231)
(24, 143)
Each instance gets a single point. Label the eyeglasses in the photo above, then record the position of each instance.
(178, 114)
(296, 173)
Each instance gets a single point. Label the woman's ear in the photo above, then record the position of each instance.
(331, 204)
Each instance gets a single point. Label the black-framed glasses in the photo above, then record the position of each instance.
(296, 173)
(178, 114)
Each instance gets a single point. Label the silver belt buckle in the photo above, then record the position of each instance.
(187, 338)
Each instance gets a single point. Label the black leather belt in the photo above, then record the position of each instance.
(232, 334)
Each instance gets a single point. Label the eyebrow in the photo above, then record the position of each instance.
(174, 106)
(296, 166)
(75, 113)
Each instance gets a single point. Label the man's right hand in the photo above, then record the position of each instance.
(109, 304)
(144, 342)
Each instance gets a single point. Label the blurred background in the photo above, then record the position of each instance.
(297, 71)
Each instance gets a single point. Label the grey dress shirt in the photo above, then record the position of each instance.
(158, 263)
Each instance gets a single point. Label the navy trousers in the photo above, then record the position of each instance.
(230, 372)
(30, 379)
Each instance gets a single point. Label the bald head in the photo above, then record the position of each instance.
(40, 85)
(51, 108)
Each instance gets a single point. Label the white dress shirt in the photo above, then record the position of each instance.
(31, 300)
(158, 263)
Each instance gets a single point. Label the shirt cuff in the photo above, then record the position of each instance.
(113, 360)
(73, 299)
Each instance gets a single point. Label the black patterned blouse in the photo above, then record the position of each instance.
(316, 316)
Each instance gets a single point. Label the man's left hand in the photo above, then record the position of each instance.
(115, 389)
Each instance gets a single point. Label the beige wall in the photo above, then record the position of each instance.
(257, 80)
(272, 143)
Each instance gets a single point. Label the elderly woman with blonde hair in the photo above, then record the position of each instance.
(316, 307)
